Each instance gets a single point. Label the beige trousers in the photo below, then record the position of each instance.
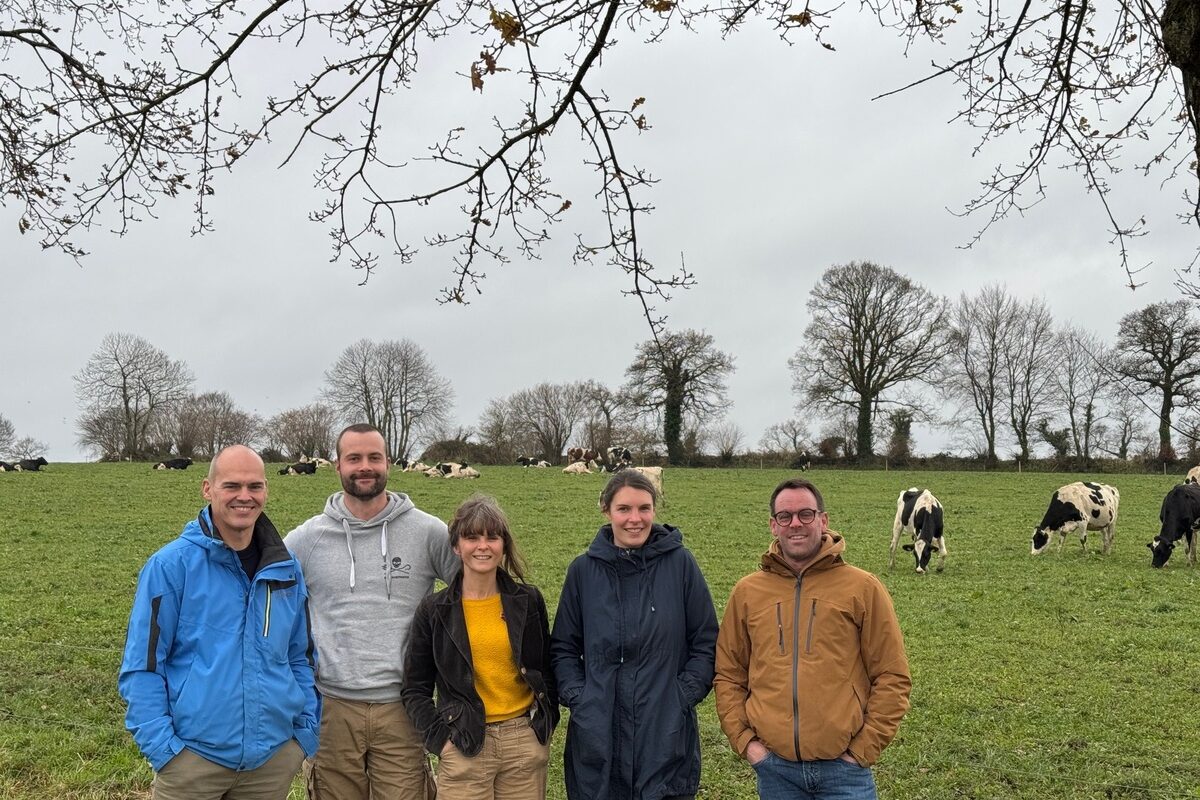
(188, 776)
(368, 751)
(511, 766)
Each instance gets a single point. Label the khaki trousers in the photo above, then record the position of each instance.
(368, 751)
(189, 776)
(511, 766)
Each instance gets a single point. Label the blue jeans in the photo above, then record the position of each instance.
(780, 779)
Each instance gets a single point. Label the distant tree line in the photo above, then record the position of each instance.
(880, 354)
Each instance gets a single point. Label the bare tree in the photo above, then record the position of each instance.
(1127, 421)
(205, 424)
(728, 438)
(8, 433)
(550, 414)
(135, 378)
(607, 416)
(1027, 370)
(503, 435)
(1076, 83)
(678, 374)
(1158, 348)
(392, 385)
(790, 437)
(28, 447)
(1080, 380)
(872, 332)
(308, 430)
(974, 370)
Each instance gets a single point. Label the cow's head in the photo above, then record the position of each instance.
(1160, 551)
(1041, 540)
(921, 551)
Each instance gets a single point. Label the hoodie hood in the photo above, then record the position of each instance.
(352, 526)
(662, 539)
(830, 555)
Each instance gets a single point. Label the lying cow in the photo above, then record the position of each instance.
(299, 469)
(174, 463)
(655, 474)
(7, 467)
(526, 461)
(919, 513)
(1180, 517)
(1079, 507)
(32, 464)
(577, 468)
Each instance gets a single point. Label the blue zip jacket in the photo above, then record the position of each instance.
(214, 662)
(633, 648)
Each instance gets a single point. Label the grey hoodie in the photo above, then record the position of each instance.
(365, 579)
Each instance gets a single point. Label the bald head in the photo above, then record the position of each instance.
(241, 450)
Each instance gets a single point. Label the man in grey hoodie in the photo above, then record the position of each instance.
(368, 560)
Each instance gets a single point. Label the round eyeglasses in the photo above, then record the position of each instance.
(805, 515)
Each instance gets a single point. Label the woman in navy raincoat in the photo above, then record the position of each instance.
(633, 647)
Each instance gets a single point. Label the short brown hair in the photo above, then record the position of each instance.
(798, 483)
(358, 427)
(481, 514)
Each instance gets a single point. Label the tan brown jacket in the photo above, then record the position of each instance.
(812, 665)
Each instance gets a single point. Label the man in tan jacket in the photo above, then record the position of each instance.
(811, 678)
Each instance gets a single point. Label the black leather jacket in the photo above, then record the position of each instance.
(439, 654)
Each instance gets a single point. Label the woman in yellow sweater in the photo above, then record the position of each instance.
(483, 642)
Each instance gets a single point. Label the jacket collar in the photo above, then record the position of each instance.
(269, 541)
(830, 555)
(513, 602)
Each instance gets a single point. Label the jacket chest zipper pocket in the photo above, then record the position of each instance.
(267, 614)
(812, 618)
(779, 624)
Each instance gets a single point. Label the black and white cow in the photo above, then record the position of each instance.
(299, 469)
(526, 461)
(1081, 507)
(619, 454)
(919, 513)
(1193, 475)
(31, 464)
(7, 467)
(174, 463)
(1180, 517)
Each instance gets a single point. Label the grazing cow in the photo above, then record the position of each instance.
(32, 464)
(919, 513)
(1180, 517)
(1193, 475)
(655, 474)
(300, 469)
(577, 468)
(1080, 507)
(174, 463)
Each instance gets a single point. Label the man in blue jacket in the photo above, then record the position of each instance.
(218, 667)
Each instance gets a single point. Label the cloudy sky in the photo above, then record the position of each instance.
(774, 164)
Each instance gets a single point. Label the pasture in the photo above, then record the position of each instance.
(1061, 676)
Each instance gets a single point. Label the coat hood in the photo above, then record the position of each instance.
(335, 509)
(662, 539)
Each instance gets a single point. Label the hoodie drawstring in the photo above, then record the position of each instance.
(387, 573)
(350, 550)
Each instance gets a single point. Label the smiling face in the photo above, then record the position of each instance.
(362, 464)
(481, 553)
(631, 513)
(237, 489)
(798, 541)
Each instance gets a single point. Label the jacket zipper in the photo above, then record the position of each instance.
(812, 617)
(796, 668)
(267, 614)
(779, 623)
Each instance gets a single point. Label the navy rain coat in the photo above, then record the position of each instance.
(633, 648)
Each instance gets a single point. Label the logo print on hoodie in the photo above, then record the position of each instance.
(398, 568)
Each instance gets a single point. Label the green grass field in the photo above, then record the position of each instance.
(1062, 676)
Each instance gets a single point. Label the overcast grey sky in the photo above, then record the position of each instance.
(774, 164)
